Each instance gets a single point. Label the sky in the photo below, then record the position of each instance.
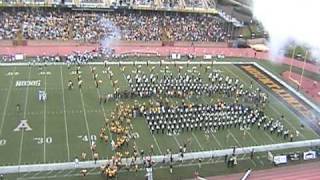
(290, 20)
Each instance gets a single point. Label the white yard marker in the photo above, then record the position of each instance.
(254, 139)
(260, 161)
(86, 119)
(197, 140)
(25, 174)
(270, 137)
(24, 116)
(254, 163)
(155, 140)
(273, 96)
(238, 143)
(7, 102)
(44, 120)
(231, 134)
(75, 174)
(276, 110)
(104, 113)
(216, 139)
(175, 138)
(65, 115)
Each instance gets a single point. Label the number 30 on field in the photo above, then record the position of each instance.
(41, 140)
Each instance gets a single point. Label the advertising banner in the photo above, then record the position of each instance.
(280, 159)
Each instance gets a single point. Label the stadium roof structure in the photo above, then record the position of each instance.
(202, 6)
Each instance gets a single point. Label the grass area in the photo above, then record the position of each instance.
(64, 126)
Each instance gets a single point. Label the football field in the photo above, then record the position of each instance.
(65, 125)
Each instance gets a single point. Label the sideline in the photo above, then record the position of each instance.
(158, 158)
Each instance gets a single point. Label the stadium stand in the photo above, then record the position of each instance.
(86, 26)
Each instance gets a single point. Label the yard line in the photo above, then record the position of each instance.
(290, 124)
(218, 161)
(70, 172)
(65, 115)
(254, 163)
(93, 169)
(60, 172)
(270, 137)
(134, 141)
(155, 140)
(49, 172)
(7, 102)
(25, 174)
(175, 138)
(24, 116)
(104, 113)
(243, 156)
(273, 96)
(254, 139)
(261, 162)
(274, 109)
(36, 174)
(240, 146)
(86, 120)
(197, 140)
(216, 139)
(231, 134)
(44, 121)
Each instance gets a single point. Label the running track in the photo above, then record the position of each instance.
(305, 171)
(199, 51)
(309, 86)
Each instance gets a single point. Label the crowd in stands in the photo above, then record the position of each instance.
(85, 26)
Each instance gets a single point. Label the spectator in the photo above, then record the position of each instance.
(86, 26)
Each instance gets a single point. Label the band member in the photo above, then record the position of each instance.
(84, 172)
(80, 84)
(95, 157)
(70, 85)
(83, 156)
(18, 107)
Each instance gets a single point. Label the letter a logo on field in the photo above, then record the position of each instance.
(23, 125)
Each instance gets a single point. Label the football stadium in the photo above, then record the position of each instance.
(158, 89)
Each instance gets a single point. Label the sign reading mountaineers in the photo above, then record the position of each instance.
(278, 89)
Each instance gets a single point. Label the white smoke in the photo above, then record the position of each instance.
(110, 36)
(290, 20)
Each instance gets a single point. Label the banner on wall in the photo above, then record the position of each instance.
(207, 57)
(175, 56)
(294, 156)
(309, 155)
(19, 57)
(280, 159)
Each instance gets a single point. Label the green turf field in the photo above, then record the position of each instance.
(60, 127)
(64, 125)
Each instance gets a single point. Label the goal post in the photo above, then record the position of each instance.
(300, 78)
